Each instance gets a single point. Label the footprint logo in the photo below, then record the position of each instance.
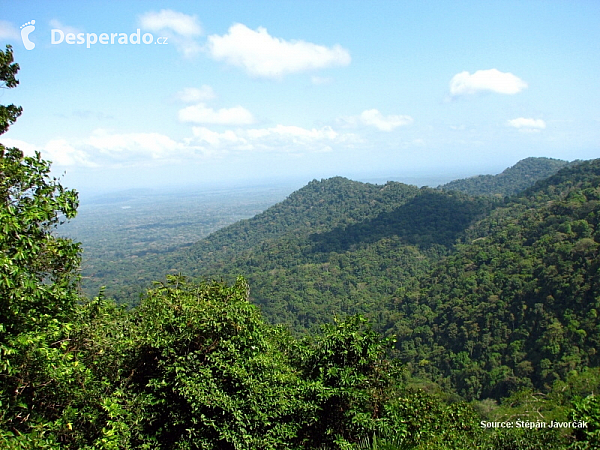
(26, 30)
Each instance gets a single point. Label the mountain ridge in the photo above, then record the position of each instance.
(511, 180)
(516, 306)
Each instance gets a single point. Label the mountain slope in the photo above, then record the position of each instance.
(319, 206)
(517, 304)
(485, 295)
(511, 181)
(325, 217)
(335, 247)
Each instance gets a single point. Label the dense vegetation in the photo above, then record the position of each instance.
(510, 182)
(516, 305)
(334, 247)
(131, 239)
(511, 307)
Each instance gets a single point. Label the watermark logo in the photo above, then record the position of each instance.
(59, 36)
(26, 30)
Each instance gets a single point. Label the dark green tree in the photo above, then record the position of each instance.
(38, 282)
(8, 71)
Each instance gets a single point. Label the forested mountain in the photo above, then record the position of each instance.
(485, 295)
(319, 206)
(334, 247)
(517, 304)
(326, 219)
(512, 305)
(511, 181)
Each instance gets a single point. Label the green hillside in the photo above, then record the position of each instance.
(338, 247)
(334, 247)
(486, 296)
(516, 305)
(324, 220)
(511, 181)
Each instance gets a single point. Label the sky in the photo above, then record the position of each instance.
(127, 94)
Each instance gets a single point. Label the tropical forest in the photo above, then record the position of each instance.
(348, 315)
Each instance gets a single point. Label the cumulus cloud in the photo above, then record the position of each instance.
(180, 29)
(126, 145)
(527, 125)
(227, 138)
(281, 138)
(167, 19)
(104, 148)
(25, 147)
(192, 95)
(374, 118)
(58, 151)
(491, 80)
(201, 113)
(8, 31)
(61, 153)
(262, 55)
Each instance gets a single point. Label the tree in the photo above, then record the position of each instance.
(205, 371)
(37, 269)
(8, 71)
(38, 275)
(38, 280)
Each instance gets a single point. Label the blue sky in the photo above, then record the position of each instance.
(250, 92)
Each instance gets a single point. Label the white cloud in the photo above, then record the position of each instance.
(263, 55)
(491, 80)
(8, 31)
(281, 138)
(61, 153)
(527, 125)
(27, 148)
(373, 117)
(215, 138)
(200, 113)
(122, 146)
(167, 19)
(104, 148)
(192, 95)
(58, 151)
(179, 28)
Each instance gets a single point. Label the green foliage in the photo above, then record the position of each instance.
(423, 421)
(195, 366)
(37, 268)
(588, 410)
(335, 247)
(206, 372)
(511, 181)
(38, 289)
(430, 218)
(347, 363)
(8, 72)
(515, 306)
